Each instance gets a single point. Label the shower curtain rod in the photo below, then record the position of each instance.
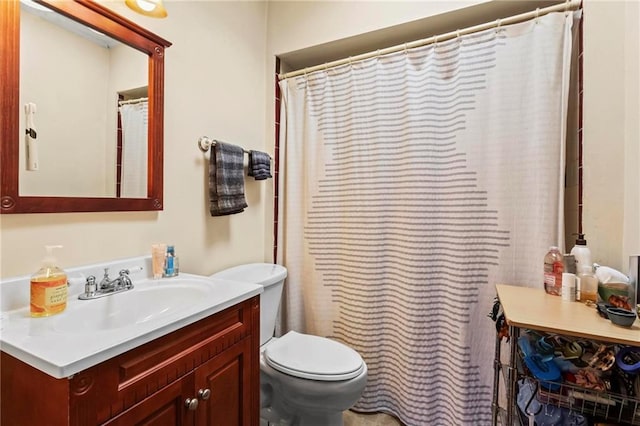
(133, 101)
(560, 7)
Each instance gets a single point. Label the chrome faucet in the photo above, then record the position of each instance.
(107, 286)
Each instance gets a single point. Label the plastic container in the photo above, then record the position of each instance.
(569, 284)
(608, 275)
(158, 254)
(48, 287)
(553, 269)
(614, 287)
(170, 263)
(588, 291)
(582, 253)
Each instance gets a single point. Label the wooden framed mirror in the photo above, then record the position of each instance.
(18, 169)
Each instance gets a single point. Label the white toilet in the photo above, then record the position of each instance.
(304, 380)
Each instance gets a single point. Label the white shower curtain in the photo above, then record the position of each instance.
(133, 178)
(411, 184)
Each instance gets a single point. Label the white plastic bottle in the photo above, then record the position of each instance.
(582, 254)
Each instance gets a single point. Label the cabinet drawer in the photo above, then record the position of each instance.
(225, 377)
(165, 407)
(133, 376)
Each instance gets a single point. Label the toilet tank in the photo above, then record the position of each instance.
(271, 277)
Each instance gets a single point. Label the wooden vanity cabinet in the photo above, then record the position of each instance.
(206, 373)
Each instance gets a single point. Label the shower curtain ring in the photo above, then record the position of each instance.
(537, 14)
(499, 22)
(458, 36)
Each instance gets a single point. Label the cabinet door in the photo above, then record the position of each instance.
(164, 408)
(223, 385)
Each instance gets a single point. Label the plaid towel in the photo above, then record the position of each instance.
(259, 165)
(226, 180)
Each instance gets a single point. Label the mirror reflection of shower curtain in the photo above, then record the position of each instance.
(134, 150)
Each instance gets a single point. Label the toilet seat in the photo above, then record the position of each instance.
(313, 357)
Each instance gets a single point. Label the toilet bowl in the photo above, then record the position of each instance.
(305, 380)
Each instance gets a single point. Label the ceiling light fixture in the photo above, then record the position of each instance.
(152, 8)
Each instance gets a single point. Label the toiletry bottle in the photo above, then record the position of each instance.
(582, 253)
(169, 262)
(553, 269)
(588, 285)
(48, 287)
(158, 256)
(568, 287)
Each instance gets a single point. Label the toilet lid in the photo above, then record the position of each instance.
(313, 357)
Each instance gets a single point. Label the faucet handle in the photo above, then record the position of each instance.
(125, 281)
(90, 285)
(90, 288)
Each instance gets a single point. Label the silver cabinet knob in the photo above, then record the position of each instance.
(204, 394)
(191, 403)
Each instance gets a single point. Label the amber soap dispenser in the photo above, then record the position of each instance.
(48, 287)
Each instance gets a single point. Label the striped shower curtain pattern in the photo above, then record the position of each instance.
(411, 183)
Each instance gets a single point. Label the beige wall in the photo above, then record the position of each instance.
(631, 237)
(214, 85)
(219, 82)
(83, 90)
(611, 138)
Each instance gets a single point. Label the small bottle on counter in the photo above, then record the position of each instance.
(568, 287)
(158, 255)
(582, 253)
(588, 285)
(170, 263)
(553, 269)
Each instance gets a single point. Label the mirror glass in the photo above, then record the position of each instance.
(72, 82)
(81, 119)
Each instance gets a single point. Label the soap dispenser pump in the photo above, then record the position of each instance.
(582, 254)
(48, 287)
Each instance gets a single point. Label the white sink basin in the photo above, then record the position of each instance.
(89, 332)
(149, 300)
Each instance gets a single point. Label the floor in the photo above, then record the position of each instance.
(361, 419)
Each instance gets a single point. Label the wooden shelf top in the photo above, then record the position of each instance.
(534, 309)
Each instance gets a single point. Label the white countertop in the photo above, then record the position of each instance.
(45, 345)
